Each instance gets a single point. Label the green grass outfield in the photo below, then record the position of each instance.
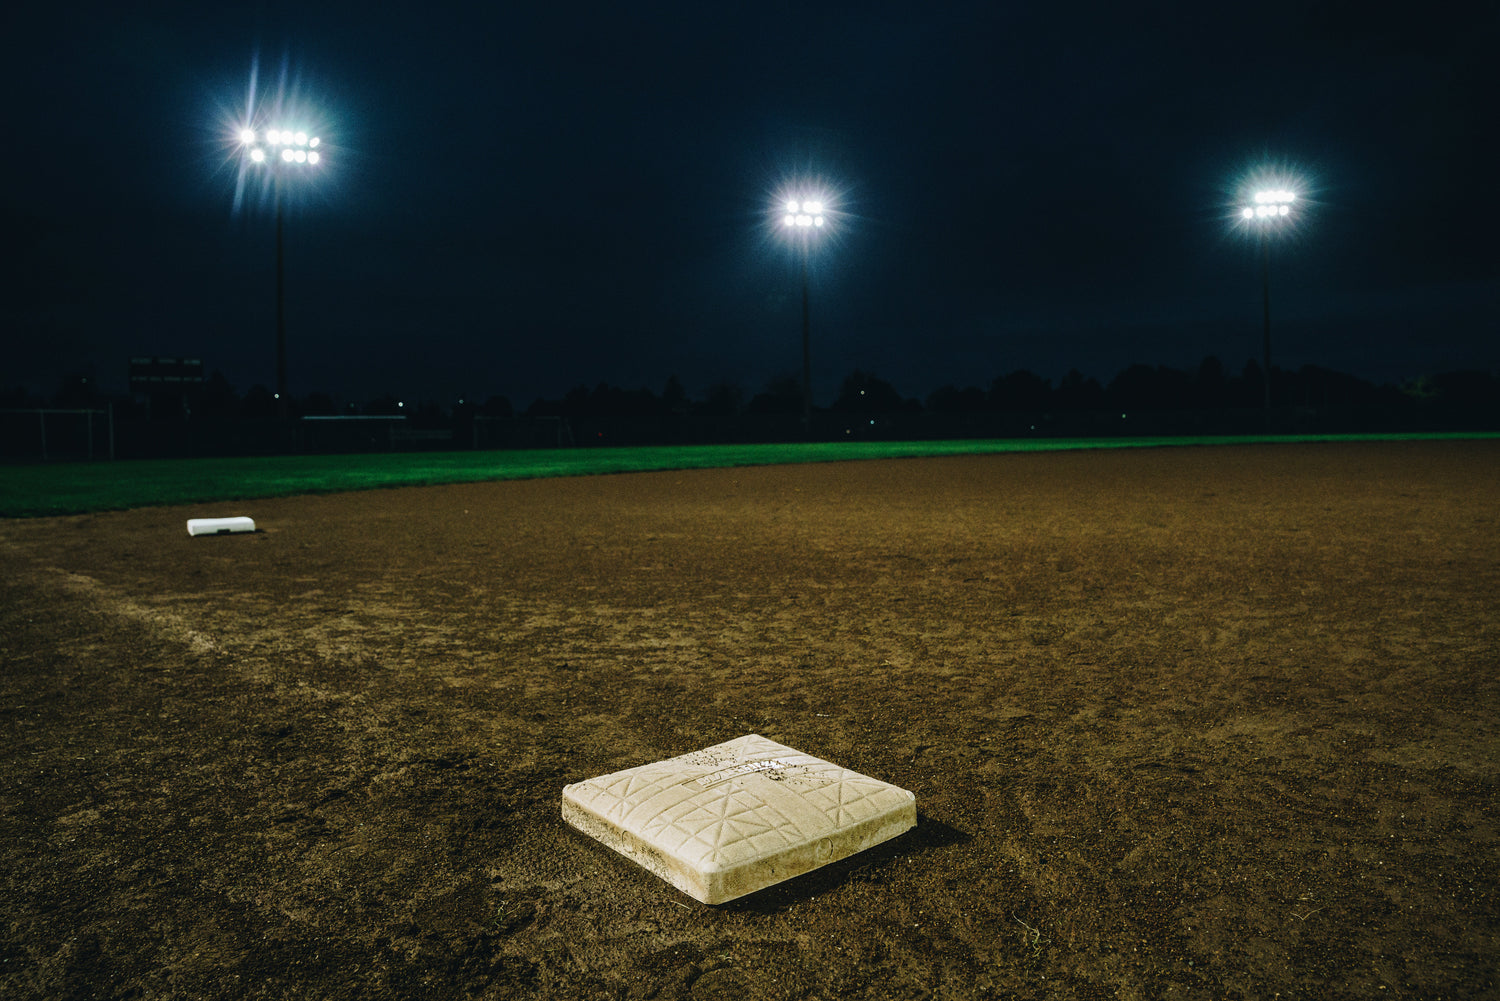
(29, 491)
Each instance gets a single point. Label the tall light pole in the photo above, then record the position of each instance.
(802, 218)
(1269, 208)
(279, 150)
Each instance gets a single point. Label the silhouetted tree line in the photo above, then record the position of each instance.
(1139, 388)
(1460, 400)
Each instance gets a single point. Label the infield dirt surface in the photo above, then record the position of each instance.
(1182, 723)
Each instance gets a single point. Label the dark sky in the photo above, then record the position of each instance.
(516, 200)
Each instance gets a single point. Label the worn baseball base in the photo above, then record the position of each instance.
(737, 817)
(219, 526)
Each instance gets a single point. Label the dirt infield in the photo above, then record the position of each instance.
(1182, 723)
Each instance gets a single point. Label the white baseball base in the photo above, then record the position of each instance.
(219, 526)
(737, 817)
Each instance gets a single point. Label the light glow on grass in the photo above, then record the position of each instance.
(32, 491)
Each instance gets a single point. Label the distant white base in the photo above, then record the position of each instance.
(219, 526)
(737, 817)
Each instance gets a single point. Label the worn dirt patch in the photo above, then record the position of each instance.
(1187, 723)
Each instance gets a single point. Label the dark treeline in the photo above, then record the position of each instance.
(213, 417)
(1140, 388)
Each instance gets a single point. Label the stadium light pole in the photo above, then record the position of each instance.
(802, 218)
(279, 150)
(1269, 208)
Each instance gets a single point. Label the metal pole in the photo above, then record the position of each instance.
(1265, 286)
(806, 353)
(280, 313)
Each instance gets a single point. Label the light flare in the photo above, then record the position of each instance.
(804, 213)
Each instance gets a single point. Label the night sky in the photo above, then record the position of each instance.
(518, 199)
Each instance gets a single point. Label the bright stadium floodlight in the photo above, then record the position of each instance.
(281, 145)
(1268, 207)
(802, 216)
(1270, 204)
(283, 149)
